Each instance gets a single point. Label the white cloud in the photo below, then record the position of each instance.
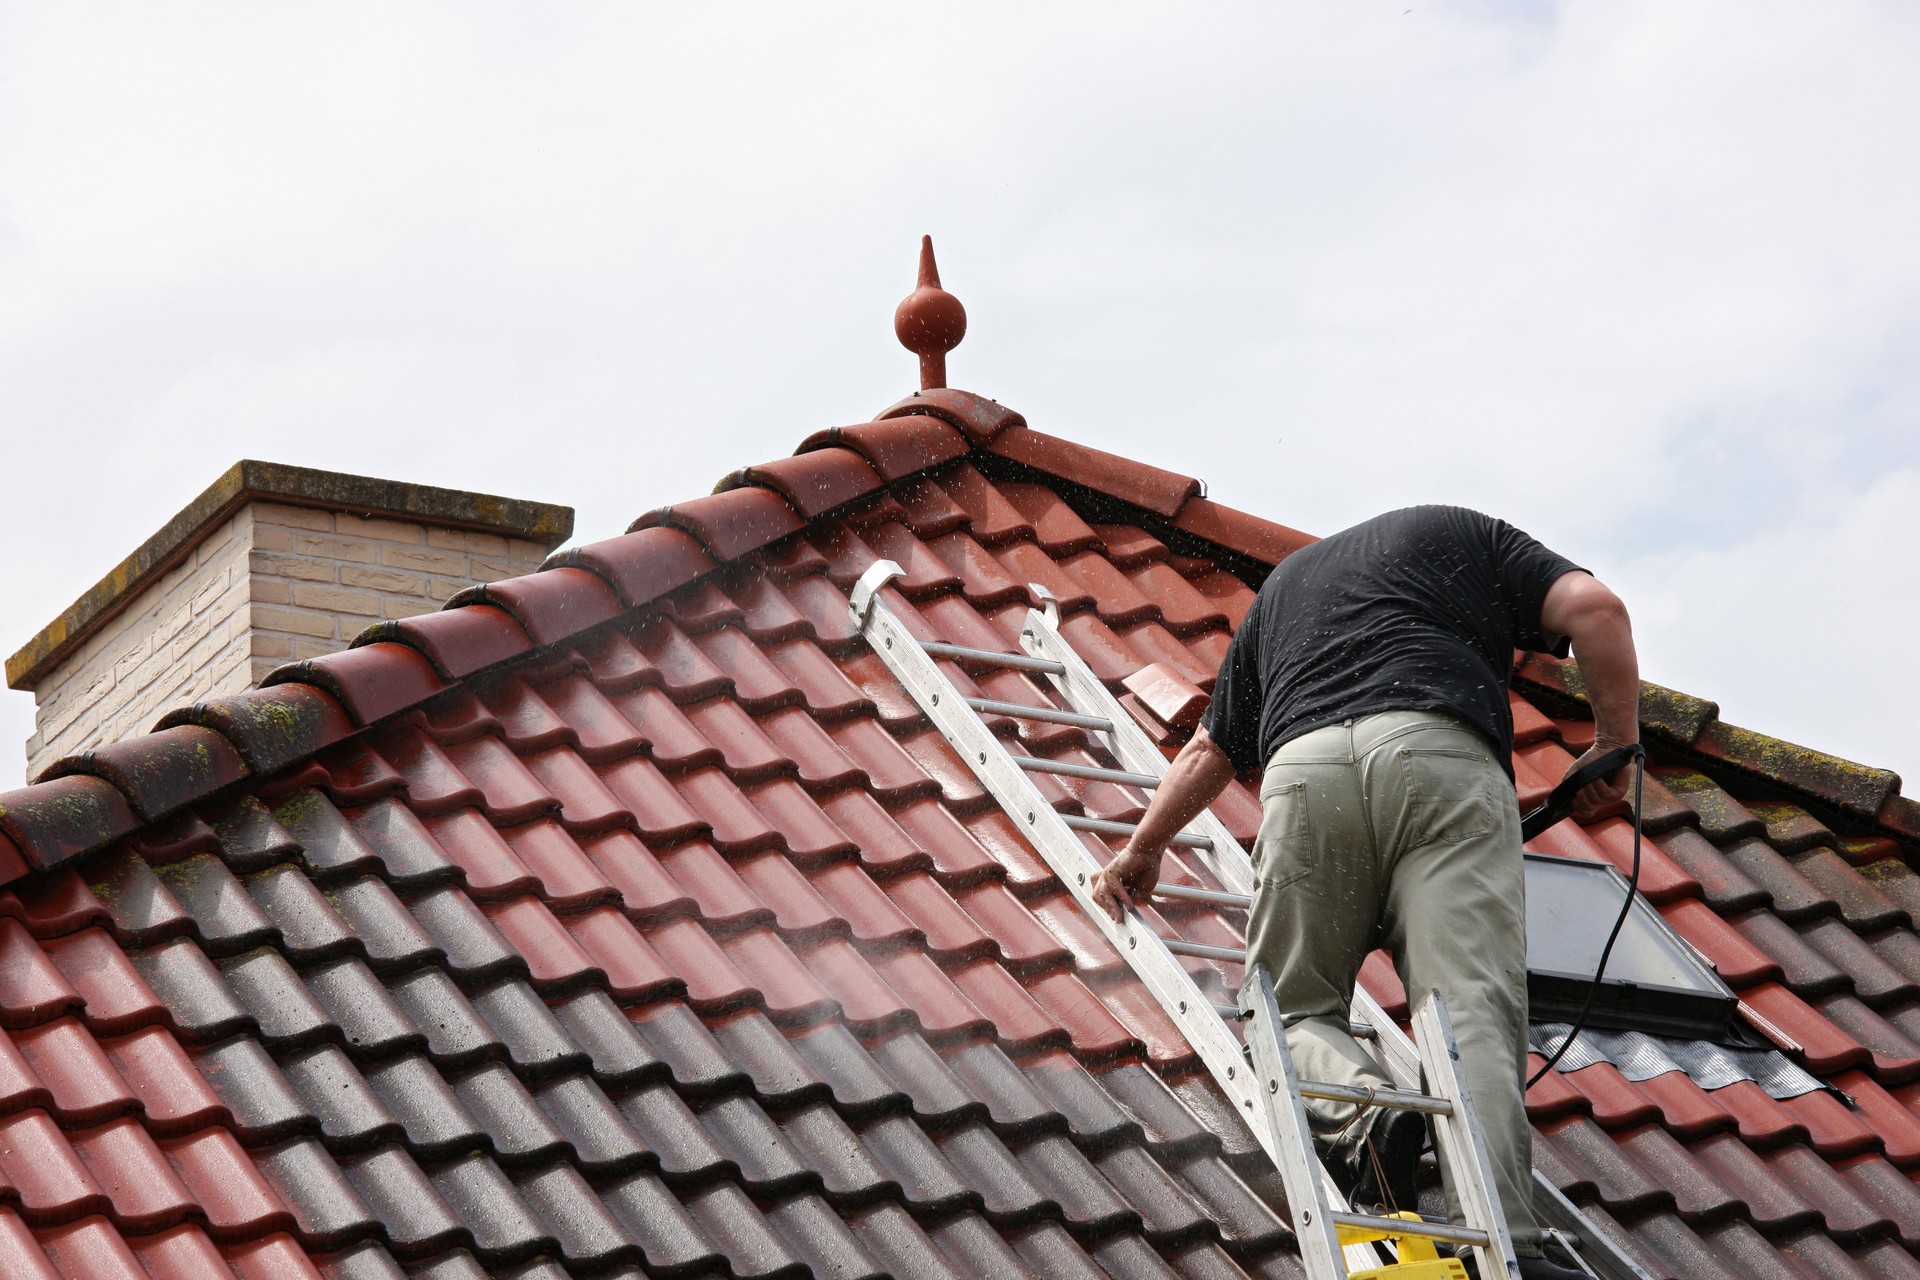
(1640, 277)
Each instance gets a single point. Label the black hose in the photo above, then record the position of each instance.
(1626, 905)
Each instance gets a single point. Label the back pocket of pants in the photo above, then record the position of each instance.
(1449, 795)
(1283, 851)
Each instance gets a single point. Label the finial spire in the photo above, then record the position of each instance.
(930, 321)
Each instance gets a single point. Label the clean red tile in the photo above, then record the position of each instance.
(1826, 1047)
(746, 752)
(85, 1087)
(567, 876)
(672, 740)
(237, 1201)
(1738, 961)
(659, 812)
(788, 991)
(806, 832)
(736, 826)
(600, 731)
(173, 1095)
(885, 846)
(526, 722)
(718, 888)
(32, 988)
(712, 978)
(20, 1088)
(117, 997)
(901, 912)
(509, 793)
(275, 1258)
(553, 958)
(773, 890)
(91, 1248)
(53, 904)
(1832, 1130)
(1686, 1110)
(867, 1002)
(758, 684)
(475, 845)
(644, 886)
(585, 803)
(434, 784)
(929, 991)
(616, 948)
(807, 748)
(181, 1253)
(51, 1182)
(1615, 1101)
(1019, 1020)
(1023, 943)
(685, 670)
(125, 1163)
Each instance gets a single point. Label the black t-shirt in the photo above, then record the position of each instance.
(1415, 610)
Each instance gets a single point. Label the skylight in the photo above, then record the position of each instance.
(1655, 981)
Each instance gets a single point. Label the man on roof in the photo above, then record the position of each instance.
(1370, 678)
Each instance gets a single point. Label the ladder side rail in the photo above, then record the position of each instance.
(1136, 752)
(1462, 1147)
(1063, 850)
(1598, 1252)
(1285, 1122)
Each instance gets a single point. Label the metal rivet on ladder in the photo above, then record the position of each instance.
(936, 699)
(1083, 877)
(1229, 1073)
(1183, 1006)
(1273, 1086)
(1132, 942)
(1029, 817)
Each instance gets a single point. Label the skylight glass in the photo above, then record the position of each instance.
(1655, 981)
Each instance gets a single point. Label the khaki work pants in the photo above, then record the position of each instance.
(1400, 830)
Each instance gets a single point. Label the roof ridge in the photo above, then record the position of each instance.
(1694, 725)
(84, 802)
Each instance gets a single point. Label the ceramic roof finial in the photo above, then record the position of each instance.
(930, 321)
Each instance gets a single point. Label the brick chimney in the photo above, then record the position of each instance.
(272, 563)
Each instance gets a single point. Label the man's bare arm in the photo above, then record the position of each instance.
(1194, 778)
(1581, 608)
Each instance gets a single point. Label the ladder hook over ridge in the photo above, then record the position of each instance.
(860, 599)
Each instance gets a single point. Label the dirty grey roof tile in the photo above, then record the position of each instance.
(370, 1020)
(603, 1142)
(282, 1007)
(419, 1097)
(456, 1035)
(265, 1107)
(501, 1105)
(620, 1056)
(417, 1221)
(351, 1114)
(534, 1039)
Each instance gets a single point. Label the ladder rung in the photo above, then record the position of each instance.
(1214, 896)
(1394, 1099)
(1105, 828)
(993, 657)
(1205, 952)
(1406, 1227)
(1052, 715)
(1035, 764)
(1234, 1013)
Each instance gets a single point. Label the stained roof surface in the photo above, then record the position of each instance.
(627, 919)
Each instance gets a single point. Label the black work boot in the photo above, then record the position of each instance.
(1385, 1166)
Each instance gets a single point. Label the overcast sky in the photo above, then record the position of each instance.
(1642, 278)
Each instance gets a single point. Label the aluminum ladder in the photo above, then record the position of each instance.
(1334, 1242)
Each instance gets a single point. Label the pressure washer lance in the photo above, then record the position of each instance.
(1559, 804)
